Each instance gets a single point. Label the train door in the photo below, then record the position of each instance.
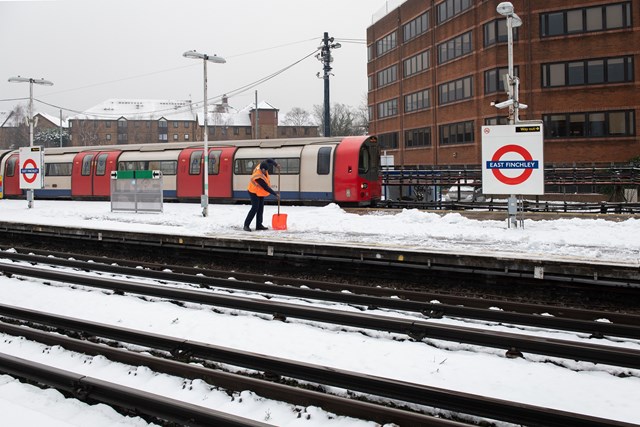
(316, 183)
(190, 177)
(91, 173)
(11, 177)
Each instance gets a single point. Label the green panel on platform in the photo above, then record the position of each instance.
(134, 174)
(124, 175)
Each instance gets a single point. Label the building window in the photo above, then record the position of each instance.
(496, 32)
(593, 71)
(175, 136)
(186, 136)
(456, 133)
(175, 125)
(107, 123)
(417, 101)
(456, 90)
(493, 121)
(386, 44)
(247, 130)
(589, 125)
(122, 125)
(370, 53)
(108, 137)
(417, 63)
(494, 80)
(236, 130)
(454, 48)
(388, 108)
(387, 76)
(417, 138)
(416, 26)
(388, 141)
(122, 138)
(163, 137)
(450, 8)
(584, 20)
(186, 125)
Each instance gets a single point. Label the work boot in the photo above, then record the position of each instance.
(246, 228)
(262, 227)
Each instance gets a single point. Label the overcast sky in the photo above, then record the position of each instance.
(93, 50)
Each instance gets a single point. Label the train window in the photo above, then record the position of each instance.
(244, 166)
(194, 163)
(167, 167)
(11, 166)
(86, 165)
(214, 162)
(101, 164)
(324, 161)
(289, 166)
(364, 161)
(57, 169)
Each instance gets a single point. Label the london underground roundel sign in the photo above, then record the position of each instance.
(31, 164)
(512, 159)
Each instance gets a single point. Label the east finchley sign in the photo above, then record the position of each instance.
(31, 164)
(513, 159)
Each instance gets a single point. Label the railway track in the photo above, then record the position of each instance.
(172, 285)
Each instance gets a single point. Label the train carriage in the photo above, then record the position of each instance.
(91, 173)
(10, 175)
(190, 174)
(345, 170)
(164, 160)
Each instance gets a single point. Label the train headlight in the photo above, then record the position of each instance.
(364, 186)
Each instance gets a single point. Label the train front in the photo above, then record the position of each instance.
(357, 174)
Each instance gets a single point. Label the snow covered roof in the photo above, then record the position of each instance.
(53, 119)
(8, 120)
(154, 109)
(139, 109)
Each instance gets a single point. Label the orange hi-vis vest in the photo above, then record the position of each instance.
(254, 187)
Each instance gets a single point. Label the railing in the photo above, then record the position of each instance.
(602, 188)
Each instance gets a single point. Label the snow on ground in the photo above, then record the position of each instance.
(571, 386)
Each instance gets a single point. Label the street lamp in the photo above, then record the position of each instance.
(204, 200)
(31, 82)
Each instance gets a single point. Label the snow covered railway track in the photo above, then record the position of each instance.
(400, 393)
(428, 305)
(127, 399)
(513, 344)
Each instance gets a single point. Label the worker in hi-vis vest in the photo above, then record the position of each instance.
(259, 187)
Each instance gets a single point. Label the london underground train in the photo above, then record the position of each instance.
(344, 170)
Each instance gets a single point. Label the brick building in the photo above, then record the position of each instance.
(14, 128)
(434, 67)
(126, 121)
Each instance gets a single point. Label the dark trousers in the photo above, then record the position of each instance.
(257, 210)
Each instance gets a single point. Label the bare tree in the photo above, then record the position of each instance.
(343, 120)
(298, 117)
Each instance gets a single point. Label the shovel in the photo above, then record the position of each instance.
(279, 221)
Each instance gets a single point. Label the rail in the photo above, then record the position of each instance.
(392, 389)
(418, 330)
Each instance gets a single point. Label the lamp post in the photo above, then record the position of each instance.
(31, 82)
(325, 57)
(512, 84)
(204, 200)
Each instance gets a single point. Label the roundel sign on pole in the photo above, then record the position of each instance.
(512, 159)
(31, 168)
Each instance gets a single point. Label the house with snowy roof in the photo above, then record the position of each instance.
(128, 121)
(14, 129)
